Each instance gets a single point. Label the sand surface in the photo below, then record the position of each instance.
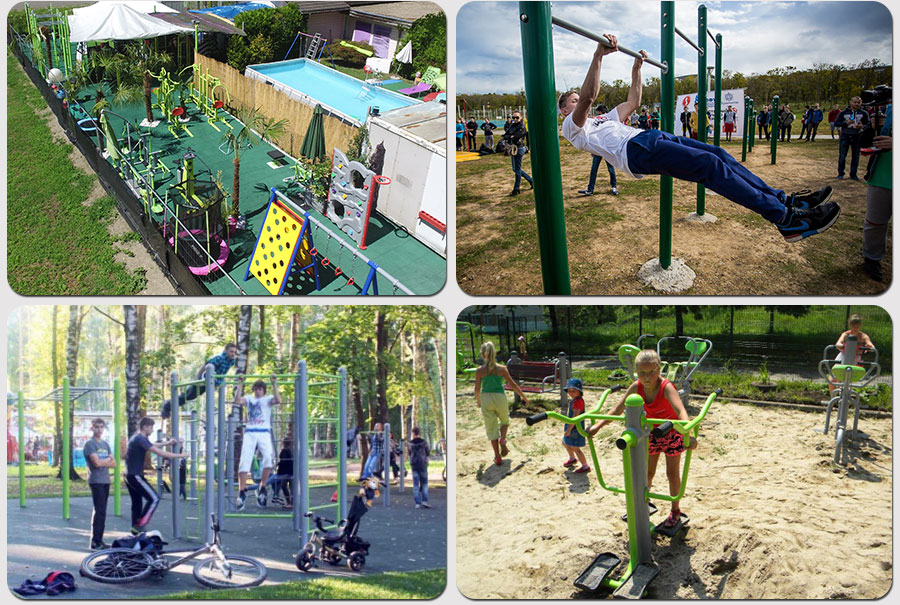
(769, 516)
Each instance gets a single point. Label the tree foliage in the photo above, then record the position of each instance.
(428, 35)
(270, 32)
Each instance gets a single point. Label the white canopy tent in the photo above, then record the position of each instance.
(119, 21)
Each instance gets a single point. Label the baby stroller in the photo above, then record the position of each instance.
(336, 545)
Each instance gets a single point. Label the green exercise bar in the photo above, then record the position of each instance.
(20, 409)
(66, 457)
(260, 515)
(702, 82)
(773, 127)
(717, 118)
(667, 91)
(535, 24)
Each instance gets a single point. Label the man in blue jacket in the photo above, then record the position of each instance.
(851, 121)
(815, 116)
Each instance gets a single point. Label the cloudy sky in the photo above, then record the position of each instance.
(758, 36)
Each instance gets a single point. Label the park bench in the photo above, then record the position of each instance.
(535, 376)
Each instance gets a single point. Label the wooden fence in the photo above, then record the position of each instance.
(249, 93)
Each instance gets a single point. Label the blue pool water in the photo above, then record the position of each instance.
(339, 91)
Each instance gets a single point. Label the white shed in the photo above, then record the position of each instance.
(415, 159)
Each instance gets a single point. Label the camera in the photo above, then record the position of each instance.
(880, 95)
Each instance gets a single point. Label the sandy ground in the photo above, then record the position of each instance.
(136, 256)
(770, 517)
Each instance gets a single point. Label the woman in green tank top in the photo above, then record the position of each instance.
(490, 398)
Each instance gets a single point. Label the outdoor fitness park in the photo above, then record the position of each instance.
(590, 245)
(167, 161)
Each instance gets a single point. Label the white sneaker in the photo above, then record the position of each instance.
(418, 506)
(240, 501)
(426, 505)
(261, 498)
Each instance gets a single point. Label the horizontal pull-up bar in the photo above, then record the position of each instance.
(688, 40)
(576, 29)
(716, 42)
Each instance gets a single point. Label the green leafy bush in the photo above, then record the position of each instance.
(429, 44)
(346, 56)
(270, 32)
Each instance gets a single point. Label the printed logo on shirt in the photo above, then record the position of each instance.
(255, 412)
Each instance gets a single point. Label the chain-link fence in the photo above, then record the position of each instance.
(787, 338)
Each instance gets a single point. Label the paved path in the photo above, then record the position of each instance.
(38, 541)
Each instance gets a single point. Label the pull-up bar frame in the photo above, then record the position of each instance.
(577, 29)
(689, 41)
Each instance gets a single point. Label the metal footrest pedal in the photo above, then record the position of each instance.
(633, 586)
(593, 577)
(671, 531)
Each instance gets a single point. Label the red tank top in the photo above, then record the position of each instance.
(660, 406)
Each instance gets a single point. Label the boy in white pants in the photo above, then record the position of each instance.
(257, 436)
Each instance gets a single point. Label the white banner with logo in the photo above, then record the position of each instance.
(733, 98)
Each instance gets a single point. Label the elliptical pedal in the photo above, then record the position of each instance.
(651, 510)
(634, 585)
(592, 578)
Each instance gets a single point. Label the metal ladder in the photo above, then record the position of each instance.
(313, 49)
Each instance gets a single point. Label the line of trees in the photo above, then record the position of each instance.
(393, 355)
(824, 83)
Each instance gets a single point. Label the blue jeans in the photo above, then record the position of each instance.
(517, 168)
(372, 465)
(594, 166)
(420, 486)
(658, 152)
(848, 142)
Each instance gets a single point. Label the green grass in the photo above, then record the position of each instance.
(56, 244)
(390, 585)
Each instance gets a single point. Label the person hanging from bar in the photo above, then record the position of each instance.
(257, 436)
(635, 152)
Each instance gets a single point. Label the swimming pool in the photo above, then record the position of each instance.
(338, 92)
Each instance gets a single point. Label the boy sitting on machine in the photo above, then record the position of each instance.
(257, 436)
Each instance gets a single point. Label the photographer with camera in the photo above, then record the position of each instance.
(879, 180)
(851, 121)
(514, 139)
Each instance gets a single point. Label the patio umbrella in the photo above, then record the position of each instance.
(314, 142)
(405, 55)
(112, 147)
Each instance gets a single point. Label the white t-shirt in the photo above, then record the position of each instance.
(259, 412)
(605, 136)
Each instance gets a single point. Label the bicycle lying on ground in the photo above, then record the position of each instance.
(123, 565)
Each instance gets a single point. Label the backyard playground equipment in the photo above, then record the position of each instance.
(48, 34)
(207, 92)
(69, 398)
(850, 376)
(123, 565)
(641, 569)
(351, 196)
(680, 373)
(294, 247)
(315, 422)
(537, 47)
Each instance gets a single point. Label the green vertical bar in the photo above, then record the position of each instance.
(20, 409)
(752, 125)
(773, 127)
(65, 460)
(701, 96)
(746, 130)
(667, 81)
(540, 97)
(117, 447)
(196, 40)
(717, 118)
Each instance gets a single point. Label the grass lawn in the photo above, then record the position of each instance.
(57, 243)
(392, 585)
(608, 238)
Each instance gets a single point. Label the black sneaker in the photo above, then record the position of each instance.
(808, 199)
(802, 223)
(261, 498)
(135, 530)
(514, 192)
(586, 192)
(872, 268)
(99, 545)
(241, 500)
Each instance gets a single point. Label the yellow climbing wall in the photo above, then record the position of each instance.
(271, 260)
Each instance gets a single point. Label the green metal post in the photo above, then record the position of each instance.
(773, 127)
(701, 97)
(196, 40)
(20, 409)
(117, 447)
(540, 96)
(752, 122)
(746, 130)
(65, 459)
(667, 82)
(717, 118)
